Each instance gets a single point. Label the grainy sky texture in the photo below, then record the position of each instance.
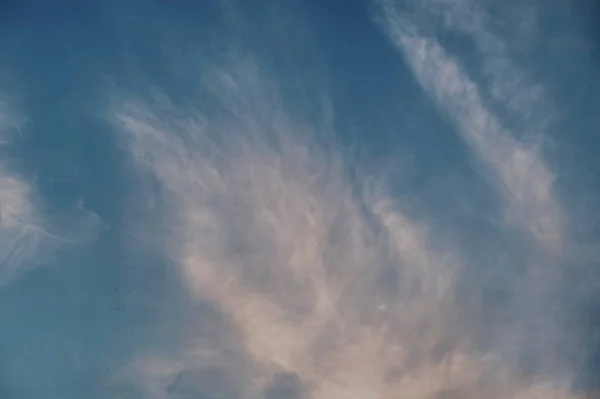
(382, 199)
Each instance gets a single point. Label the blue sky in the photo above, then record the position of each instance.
(328, 200)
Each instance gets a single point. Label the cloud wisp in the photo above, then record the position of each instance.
(499, 112)
(27, 237)
(517, 170)
(20, 236)
(20, 231)
(266, 226)
(324, 287)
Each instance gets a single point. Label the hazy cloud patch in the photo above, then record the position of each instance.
(325, 285)
(28, 236)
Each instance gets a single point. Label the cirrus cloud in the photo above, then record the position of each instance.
(322, 282)
(324, 286)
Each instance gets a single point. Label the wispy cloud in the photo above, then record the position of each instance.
(20, 231)
(500, 113)
(267, 228)
(323, 284)
(20, 236)
(326, 288)
(27, 239)
(516, 169)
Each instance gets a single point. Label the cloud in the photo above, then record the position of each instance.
(27, 237)
(502, 115)
(516, 169)
(323, 284)
(324, 287)
(20, 232)
(270, 231)
(20, 237)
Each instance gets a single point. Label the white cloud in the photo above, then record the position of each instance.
(317, 275)
(517, 170)
(20, 232)
(26, 238)
(19, 235)
(513, 165)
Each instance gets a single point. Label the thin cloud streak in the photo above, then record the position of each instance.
(272, 234)
(20, 233)
(321, 277)
(517, 170)
(27, 238)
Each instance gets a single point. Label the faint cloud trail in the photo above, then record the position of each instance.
(343, 291)
(324, 286)
(268, 230)
(27, 238)
(20, 235)
(518, 171)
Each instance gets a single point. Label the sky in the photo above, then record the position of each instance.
(328, 199)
